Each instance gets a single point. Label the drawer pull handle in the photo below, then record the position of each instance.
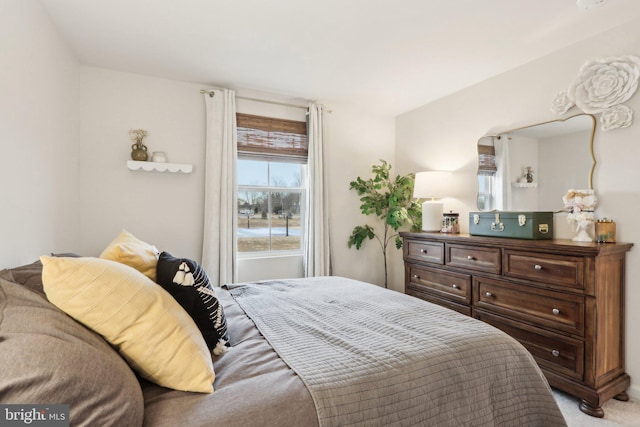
(555, 353)
(470, 258)
(415, 276)
(454, 286)
(537, 267)
(423, 251)
(488, 294)
(555, 311)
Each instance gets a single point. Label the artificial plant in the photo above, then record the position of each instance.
(390, 201)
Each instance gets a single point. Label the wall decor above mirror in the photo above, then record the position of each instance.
(601, 86)
(530, 168)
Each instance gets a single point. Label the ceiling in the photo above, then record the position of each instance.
(386, 56)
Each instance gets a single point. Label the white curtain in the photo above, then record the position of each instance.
(502, 183)
(317, 255)
(219, 243)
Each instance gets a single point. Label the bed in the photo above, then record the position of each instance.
(325, 351)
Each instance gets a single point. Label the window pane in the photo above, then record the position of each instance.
(253, 172)
(485, 185)
(285, 221)
(253, 221)
(269, 221)
(285, 174)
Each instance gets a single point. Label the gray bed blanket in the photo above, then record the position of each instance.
(371, 356)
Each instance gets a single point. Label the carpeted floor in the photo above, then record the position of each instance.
(616, 413)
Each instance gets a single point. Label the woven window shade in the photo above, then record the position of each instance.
(486, 160)
(267, 136)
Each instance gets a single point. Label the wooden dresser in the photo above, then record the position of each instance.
(563, 300)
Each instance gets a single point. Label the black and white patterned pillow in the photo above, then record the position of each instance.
(188, 283)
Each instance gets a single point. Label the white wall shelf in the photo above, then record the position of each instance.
(525, 184)
(135, 165)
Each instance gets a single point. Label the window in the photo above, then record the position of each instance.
(271, 184)
(486, 176)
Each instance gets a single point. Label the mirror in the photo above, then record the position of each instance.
(531, 168)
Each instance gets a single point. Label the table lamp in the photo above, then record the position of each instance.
(432, 185)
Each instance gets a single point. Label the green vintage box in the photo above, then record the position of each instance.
(515, 225)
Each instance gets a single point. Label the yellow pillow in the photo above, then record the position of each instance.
(140, 319)
(128, 249)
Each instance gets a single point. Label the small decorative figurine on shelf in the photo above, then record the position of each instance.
(138, 149)
(528, 173)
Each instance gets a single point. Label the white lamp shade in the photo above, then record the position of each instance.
(432, 185)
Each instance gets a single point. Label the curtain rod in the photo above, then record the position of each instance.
(261, 100)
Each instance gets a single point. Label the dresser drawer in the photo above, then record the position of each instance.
(474, 257)
(443, 284)
(549, 269)
(552, 352)
(431, 252)
(545, 308)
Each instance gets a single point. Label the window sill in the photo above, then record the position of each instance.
(263, 255)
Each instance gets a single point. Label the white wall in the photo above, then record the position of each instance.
(443, 135)
(165, 209)
(357, 141)
(38, 136)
